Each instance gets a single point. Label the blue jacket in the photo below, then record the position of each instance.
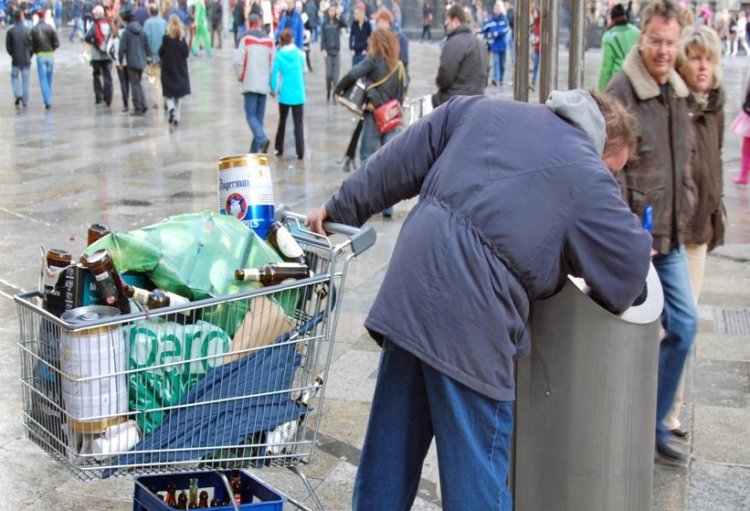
(155, 28)
(297, 26)
(495, 30)
(512, 199)
(289, 68)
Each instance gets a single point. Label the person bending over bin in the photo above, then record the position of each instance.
(513, 197)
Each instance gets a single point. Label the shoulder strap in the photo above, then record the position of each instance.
(398, 67)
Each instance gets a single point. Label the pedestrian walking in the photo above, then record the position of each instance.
(536, 42)
(740, 35)
(741, 126)
(155, 28)
(495, 31)
(291, 19)
(76, 13)
(311, 9)
(383, 70)
(330, 46)
(463, 61)
(118, 29)
(287, 80)
(134, 53)
(202, 34)
(141, 13)
(699, 64)
(384, 21)
(175, 79)
(359, 35)
(215, 15)
(98, 37)
(44, 42)
(87, 15)
(252, 63)
(616, 43)
(427, 18)
(477, 245)
(18, 46)
(660, 179)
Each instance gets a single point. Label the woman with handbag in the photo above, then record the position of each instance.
(385, 76)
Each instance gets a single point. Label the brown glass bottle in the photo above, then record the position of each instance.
(171, 499)
(203, 500)
(58, 258)
(182, 500)
(214, 502)
(155, 299)
(108, 281)
(95, 232)
(284, 243)
(273, 273)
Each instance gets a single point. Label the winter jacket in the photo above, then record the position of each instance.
(175, 79)
(295, 23)
(330, 35)
(372, 70)
(43, 38)
(616, 43)
(463, 66)
(134, 46)
(707, 225)
(215, 12)
(495, 29)
(99, 35)
(359, 36)
(18, 45)
(155, 28)
(661, 175)
(141, 14)
(512, 199)
(252, 61)
(403, 48)
(289, 68)
(181, 14)
(311, 9)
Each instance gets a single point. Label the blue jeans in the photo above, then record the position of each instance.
(680, 322)
(535, 68)
(20, 87)
(255, 110)
(371, 141)
(45, 67)
(412, 403)
(356, 59)
(499, 66)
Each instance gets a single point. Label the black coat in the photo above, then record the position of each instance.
(175, 80)
(18, 45)
(463, 66)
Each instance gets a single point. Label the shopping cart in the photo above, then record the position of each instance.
(222, 383)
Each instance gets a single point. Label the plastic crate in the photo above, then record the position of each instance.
(256, 495)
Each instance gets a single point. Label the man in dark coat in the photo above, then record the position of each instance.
(660, 179)
(44, 42)
(330, 46)
(135, 50)
(463, 61)
(18, 46)
(513, 197)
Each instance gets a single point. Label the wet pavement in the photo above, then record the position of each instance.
(79, 163)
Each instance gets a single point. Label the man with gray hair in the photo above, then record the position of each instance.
(513, 197)
(659, 181)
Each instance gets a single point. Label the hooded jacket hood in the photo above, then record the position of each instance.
(135, 28)
(578, 107)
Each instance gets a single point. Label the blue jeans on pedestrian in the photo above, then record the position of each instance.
(45, 67)
(680, 322)
(499, 66)
(371, 141)
(535, 68)
(20, 87)
(77, 26)
(414, 403)
(255, 110)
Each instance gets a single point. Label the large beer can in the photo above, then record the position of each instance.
(246, 191)
(93, 363)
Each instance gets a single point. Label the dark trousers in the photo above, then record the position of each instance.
(134, 77)
(216, 30)
(426, 32)
(122, 74)
(102, 81)
(297, 116)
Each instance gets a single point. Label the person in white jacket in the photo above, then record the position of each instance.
(253, 58)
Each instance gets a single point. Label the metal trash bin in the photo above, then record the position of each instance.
(586, 404)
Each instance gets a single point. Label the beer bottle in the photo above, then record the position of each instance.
(182, 500)
(234, 481)
(214, 502)
(56, 260)
(108, 281)
(203, 499)
(95, 232)
(155, 299)
(273, 273)
(171, 500)
(193, 489)
(284, 243)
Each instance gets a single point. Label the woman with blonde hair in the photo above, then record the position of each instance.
(699, 64)
(175, 80)
(385, 76)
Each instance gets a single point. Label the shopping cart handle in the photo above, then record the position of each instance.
(361, 238)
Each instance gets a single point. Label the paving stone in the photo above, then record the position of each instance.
(719, 487)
